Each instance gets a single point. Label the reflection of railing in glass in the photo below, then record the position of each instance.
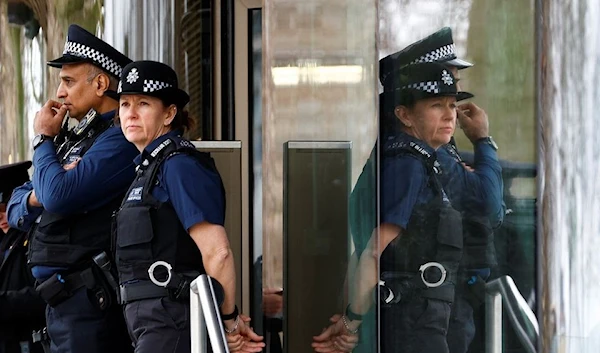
(523, 320)
(204, 315)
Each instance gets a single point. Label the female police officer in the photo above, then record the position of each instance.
(172, 216)
(419, 239)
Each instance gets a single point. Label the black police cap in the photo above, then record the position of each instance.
(437, 47)
(12, 176)
(425, 80)
(82, 46)
(152, 78)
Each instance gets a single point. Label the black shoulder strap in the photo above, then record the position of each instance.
(87, 141)
(432, 166)
(170, 147)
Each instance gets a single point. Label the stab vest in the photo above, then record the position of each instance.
(434, 231)
(71, 240)
(148, 230)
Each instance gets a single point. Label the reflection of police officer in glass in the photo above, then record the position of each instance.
(21, 308)
(419, 240)
(79, 182)
(170, 225)
(481, 192)
(414, 229)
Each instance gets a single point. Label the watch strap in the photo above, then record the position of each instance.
(231, 316)
(352, 315)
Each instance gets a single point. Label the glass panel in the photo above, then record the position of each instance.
(498, 38)
(318, 131)
(569, 97)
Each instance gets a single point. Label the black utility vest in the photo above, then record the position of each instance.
(72, 240)
(478, 237)
(434, 231)
(148, 230)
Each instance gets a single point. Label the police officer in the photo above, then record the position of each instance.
(21, 308)
(421, 228)
(482, 190)
(169, 228)
(79, 180)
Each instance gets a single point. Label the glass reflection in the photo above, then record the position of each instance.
(498, 38)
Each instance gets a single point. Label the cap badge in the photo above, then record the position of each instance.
(446, 78)
(120, 87)
(132, 76)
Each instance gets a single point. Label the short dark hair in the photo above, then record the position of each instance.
(94, 71)
(388, 121)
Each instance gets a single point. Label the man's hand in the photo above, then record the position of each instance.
(48, 120)
(473, 121)
(243, 339)
(336, 338)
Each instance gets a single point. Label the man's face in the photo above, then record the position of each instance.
(78, 89)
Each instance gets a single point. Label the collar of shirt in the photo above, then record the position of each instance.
(406, 138)
(138, 159)
(108, 115)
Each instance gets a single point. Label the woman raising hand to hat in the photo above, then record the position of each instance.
(172, 213)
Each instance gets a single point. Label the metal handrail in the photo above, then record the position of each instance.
(523, 320)
(205, 316)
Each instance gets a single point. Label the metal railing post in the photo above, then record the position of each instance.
(197, 324)
(493, 323)
(502, 293)
(205, 317)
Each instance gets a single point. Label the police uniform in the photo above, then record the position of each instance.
(73, 236)
(419, 269)
(21, 308)
(176, 188)
(479, 192)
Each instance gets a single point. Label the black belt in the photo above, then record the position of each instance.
(141, 290)
(398, 286)
(59, 288)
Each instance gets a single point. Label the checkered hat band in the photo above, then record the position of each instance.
(83, 51)
(447, 52)
(429, 86)
(153, 85)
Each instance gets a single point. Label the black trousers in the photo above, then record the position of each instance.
(417, 326)
(77, 325)
(462, 325)
(159, 325)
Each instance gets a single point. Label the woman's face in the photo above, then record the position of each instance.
(144, 118)
(431, 120)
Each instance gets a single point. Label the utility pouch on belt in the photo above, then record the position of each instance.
(475, 291)
(103, 293)
(54, 290)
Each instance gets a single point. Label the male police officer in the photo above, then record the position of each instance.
(21, 308)
(483, 190)
(79, 180)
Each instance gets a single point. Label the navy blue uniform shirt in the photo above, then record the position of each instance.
(480, 192)
(193, 190)
(104, 172)
(404, 184)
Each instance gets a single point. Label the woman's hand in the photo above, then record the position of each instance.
(243, 338)
(337, 338)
